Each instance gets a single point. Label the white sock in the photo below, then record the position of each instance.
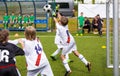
(65, 63)
(82, 58)
(56, 52)
(67, 56)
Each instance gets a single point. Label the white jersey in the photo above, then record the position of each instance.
(35, 56)
(64, 34)
(57, 38)
(13, 41)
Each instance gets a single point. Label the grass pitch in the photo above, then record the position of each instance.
(88, 45)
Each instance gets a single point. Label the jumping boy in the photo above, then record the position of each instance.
(59, 46)
(8, 51)
(37, 62)
(68, 43)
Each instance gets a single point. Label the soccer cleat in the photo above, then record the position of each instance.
(67, 73)
(69, 60)
(53, 58)
(89, 66)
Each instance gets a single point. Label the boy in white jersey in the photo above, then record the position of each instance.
(68, 43)
(37, 62)
(59, 46)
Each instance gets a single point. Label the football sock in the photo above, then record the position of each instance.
(82, 58)
(66, 56)
(5, 26)
(65, 63)
(56, 52)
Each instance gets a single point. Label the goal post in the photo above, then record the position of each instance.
(113, 35)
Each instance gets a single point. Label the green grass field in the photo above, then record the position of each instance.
(88, 45)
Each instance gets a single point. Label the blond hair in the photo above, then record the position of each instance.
(30, 33)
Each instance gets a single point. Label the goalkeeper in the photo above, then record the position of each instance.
(81, 20)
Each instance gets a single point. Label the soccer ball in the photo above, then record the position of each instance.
(16, 35)
(47, 8)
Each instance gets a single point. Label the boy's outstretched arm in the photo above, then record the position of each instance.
(59, 15)
(54, 17)
(21, 42)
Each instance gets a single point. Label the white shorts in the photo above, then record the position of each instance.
(68, 48)
(44, 71)
(59, 45)
(57, 39)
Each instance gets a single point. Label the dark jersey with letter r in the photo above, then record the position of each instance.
(8, 51)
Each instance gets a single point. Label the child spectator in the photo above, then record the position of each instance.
(87, 25)
(5, 21)
(13, 19)
(26, 20)
(31, 19)
(97, 23)
(94, 24)
(19, 21)
(81, 20)
(100, 25)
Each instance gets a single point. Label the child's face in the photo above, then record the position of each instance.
(5, 13)
(59, 22)
(12, 13)
(81, 13)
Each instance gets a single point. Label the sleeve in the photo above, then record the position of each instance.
(18, 51)
(57, 25)
(13, 41)
(23, 39)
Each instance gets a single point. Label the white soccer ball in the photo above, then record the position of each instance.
(47, 8)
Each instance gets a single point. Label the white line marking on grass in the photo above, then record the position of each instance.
(73, 36)
(90, 36)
